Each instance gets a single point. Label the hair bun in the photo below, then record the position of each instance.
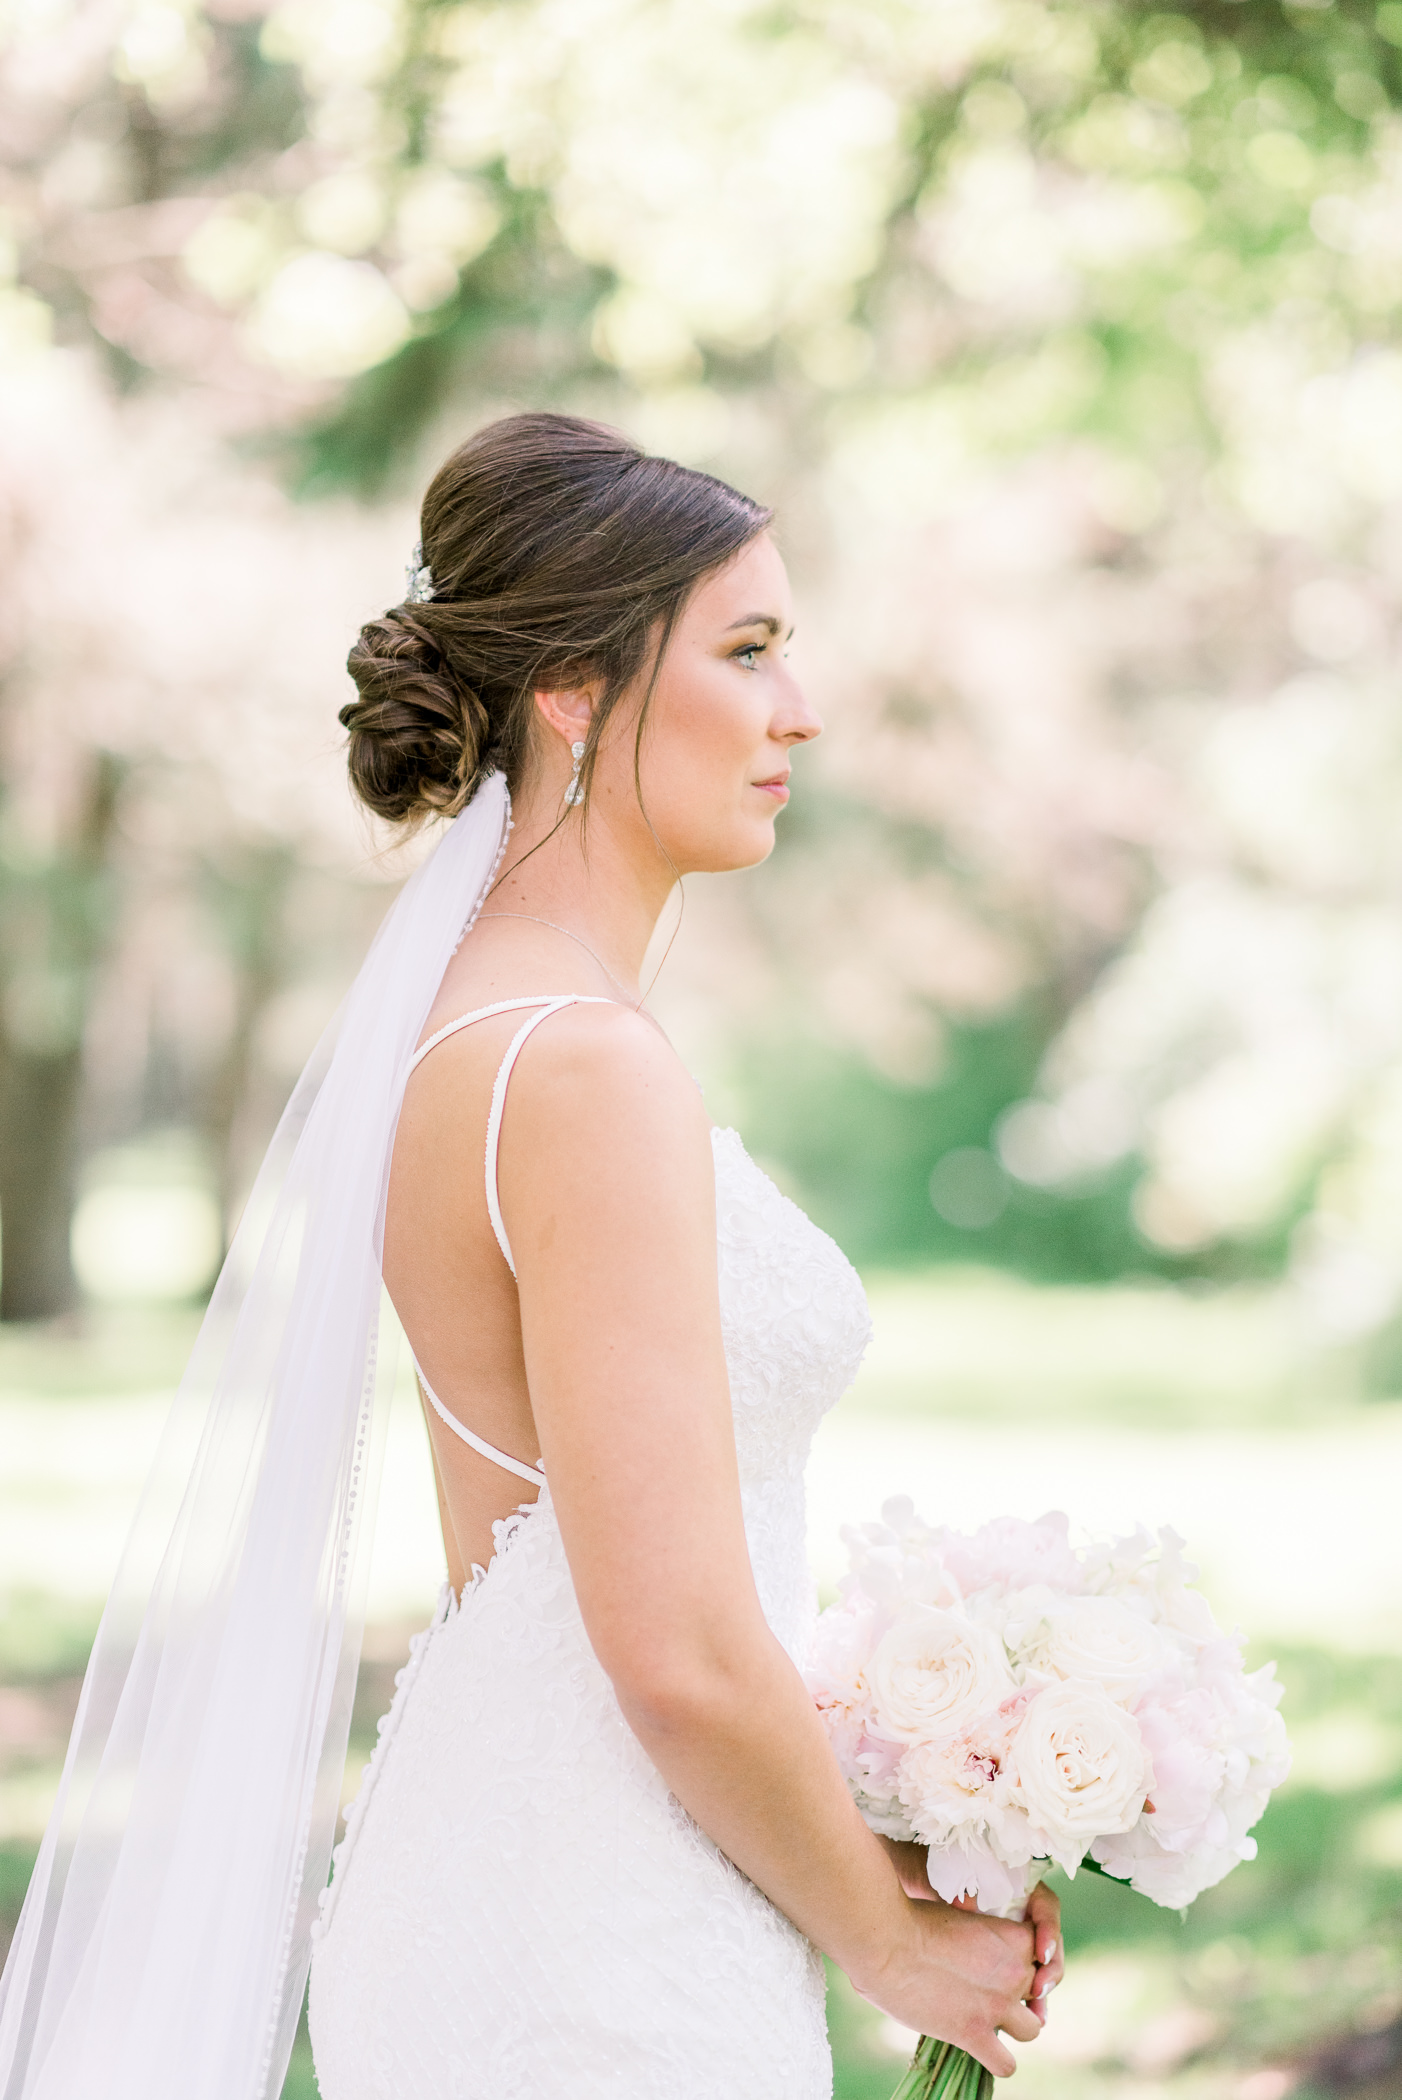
(417, 738)
(557, 549)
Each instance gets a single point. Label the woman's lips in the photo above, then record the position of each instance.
(777, 787)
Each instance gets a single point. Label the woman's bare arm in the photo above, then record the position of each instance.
(607, 1188)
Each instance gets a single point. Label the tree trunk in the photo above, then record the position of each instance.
(54, 922)
(39, 1098)
(249, 905)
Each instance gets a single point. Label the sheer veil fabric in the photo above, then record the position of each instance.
(163, 1946)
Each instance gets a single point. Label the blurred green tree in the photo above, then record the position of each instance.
(1061, 335)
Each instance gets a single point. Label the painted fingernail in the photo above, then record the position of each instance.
(1050, 1954)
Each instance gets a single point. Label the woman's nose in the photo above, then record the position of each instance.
(797, 721)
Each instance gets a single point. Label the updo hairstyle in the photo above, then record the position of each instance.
(557, 549)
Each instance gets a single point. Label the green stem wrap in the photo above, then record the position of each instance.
(939, 2071)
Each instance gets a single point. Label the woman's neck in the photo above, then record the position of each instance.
(612, 899)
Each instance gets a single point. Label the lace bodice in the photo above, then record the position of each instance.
(795, 1324)
(521, 1910)
(793, 1315)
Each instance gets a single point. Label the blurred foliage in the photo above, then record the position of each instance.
(1062, 335)
(1064, 338)
(858, 1150)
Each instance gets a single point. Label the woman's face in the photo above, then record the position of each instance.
(726, 712)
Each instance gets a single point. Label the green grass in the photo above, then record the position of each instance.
(978, 1345)
(44, 1637)
(300, 2082)
(99, 1351)
(1302, 1946)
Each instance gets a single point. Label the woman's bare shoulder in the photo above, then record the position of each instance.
(607, 1171)
(595, 1083)
(609, 1060)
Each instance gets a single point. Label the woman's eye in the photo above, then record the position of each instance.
(749, 655)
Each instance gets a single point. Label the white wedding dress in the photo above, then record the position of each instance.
(520, 1910)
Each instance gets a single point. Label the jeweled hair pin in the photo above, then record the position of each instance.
(418, 578)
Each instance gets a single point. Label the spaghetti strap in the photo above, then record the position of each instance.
(535, 1474)
(499, 1006)
(541, 1009)
(504, 1071)
(544, 1005)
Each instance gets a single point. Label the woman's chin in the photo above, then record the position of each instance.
(746, 847)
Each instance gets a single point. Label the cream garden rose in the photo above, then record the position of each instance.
(1080, 1767)
(1102, 1640)
(934, 1673)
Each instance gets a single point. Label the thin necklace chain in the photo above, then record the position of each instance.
(535, 921)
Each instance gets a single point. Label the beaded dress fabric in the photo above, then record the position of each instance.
(520, 1910)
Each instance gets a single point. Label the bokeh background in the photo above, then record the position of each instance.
(1064, 339)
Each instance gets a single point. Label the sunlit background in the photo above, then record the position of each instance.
(1064, 339)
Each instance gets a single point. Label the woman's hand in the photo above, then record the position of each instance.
(1043, 1913)
(963, 1978)
(911, 1864)
(1044, 1916)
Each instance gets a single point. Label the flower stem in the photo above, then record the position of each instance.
(939, 2071)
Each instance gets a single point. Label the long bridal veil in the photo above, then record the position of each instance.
(164, 1943)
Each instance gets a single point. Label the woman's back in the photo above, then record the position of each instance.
(441, 1254)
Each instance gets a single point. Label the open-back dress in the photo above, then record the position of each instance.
(520, 1909)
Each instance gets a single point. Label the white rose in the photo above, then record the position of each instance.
(1080, 1768)
(934, 1673)
(1099, 1639)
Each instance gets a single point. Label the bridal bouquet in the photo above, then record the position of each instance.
(1010, 1702)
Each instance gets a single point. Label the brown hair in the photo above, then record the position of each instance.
(557, 548)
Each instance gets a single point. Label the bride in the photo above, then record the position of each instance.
(605, 1836)
(602, 1844)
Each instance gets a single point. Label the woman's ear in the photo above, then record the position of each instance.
(568, 711)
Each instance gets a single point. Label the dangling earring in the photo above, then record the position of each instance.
(574, 792)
